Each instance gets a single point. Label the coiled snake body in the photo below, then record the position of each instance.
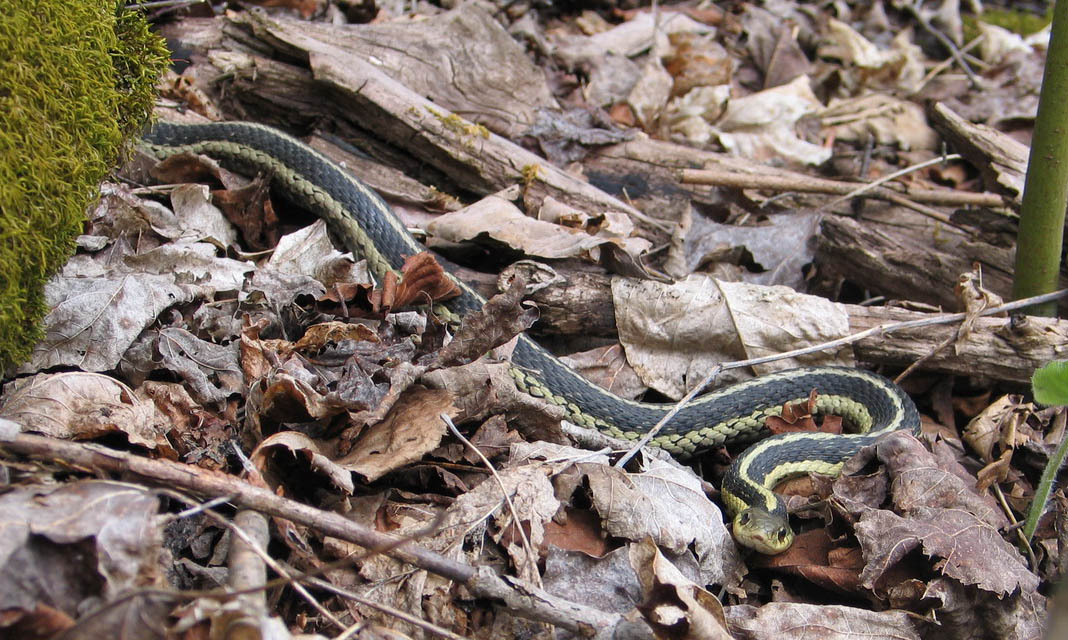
(368, 227)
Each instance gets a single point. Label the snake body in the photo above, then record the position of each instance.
(368, 227)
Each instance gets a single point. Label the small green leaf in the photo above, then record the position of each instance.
(1050, 383)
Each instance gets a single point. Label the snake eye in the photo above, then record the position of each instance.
(781, 535)
(744, 518)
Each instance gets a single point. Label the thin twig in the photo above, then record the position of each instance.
(946, 42)
(260, 552)
(532, 558)
(415, 621)
(808, 184)
(833, 344)
(942, 66)
(891, 176)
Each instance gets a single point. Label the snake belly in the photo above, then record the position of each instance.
(367, 227)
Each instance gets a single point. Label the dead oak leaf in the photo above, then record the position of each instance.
(301, 445)
(422, 280)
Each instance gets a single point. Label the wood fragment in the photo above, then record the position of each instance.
(1000, 158)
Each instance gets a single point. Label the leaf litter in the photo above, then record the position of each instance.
(205, 314)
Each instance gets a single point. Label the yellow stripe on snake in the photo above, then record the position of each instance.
(368, 227)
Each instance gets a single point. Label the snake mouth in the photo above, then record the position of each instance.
(762, 531)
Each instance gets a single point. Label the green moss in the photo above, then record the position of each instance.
(1016, 20)
(76, 80)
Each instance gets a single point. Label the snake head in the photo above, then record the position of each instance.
(762, 531)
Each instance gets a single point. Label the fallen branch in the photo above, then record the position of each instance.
(941, 197)
(521, 599)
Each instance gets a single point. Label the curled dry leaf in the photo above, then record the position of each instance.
(816, 558)
(781, 247)
(673, 605)
(761, 126)
(481, 389)
(318, 336)
(422, 281)
(249, 208)
(198, 435)
(301, 445)
(675, 333)
(211, 370)
(881, 118)
(606, 581)
(867, 65)
(997, 425)
(535, 504)
(963, 546)
(972, 613)
(501, 221)
(943, 516)
(607, 368)
(642, 32)
(94, 320)
(80, 406)
(918, 481)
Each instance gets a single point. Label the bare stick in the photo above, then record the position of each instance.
(738, 180)
(201, 481)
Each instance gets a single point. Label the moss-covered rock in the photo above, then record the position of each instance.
(76, 81)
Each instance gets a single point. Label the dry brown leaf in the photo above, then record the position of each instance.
(198, 435)
(815, 557)
(577, 530)
(607, 367)
(501, 222)
(498, 321)
(319, 335)
(412, 428)
(80, 406)
(422, 281)
(672, 604)
(90, 541)
(211, 371)
(668, 504)
(761, 126)
(919, 482)
(249, 208)
(302, 446)
(605, 581)
(981, 615)
(961, 545)
(776, 620)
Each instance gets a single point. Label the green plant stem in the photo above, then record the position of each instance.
(1038, 246)
(1045, 487)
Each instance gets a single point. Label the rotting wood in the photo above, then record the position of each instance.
(472, 156)
(1000, 158)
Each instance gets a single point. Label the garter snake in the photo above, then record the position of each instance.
(368, 227)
